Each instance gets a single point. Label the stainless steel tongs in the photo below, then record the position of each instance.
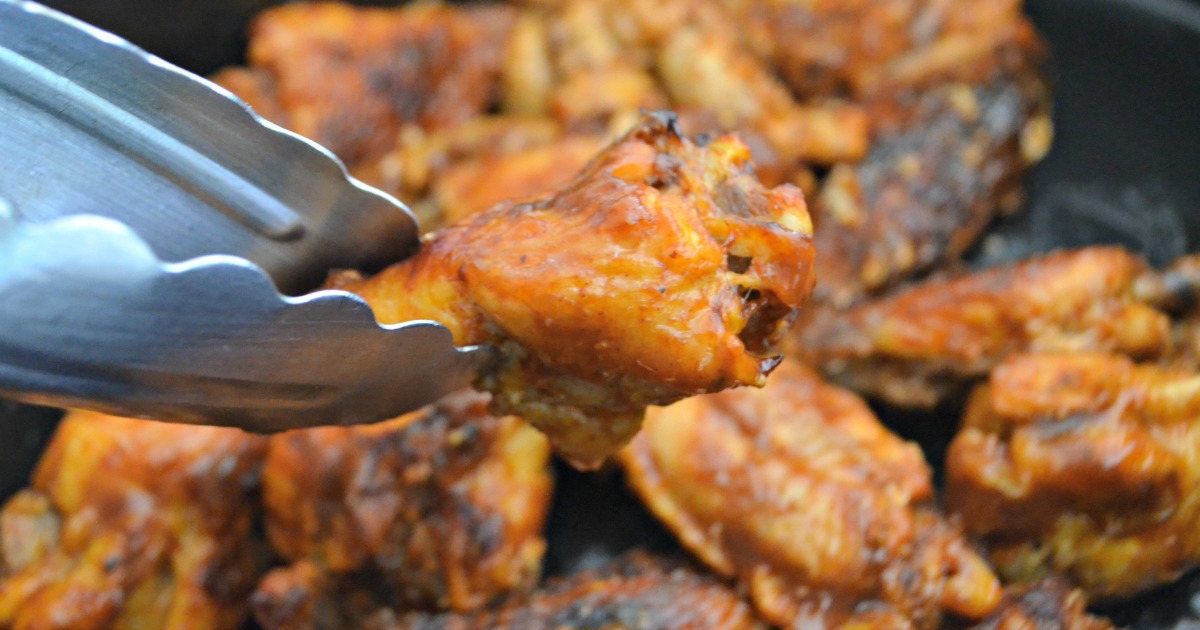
(149, 220)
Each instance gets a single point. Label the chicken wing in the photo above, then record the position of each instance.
(944, 163)
(663, 270)
(1085, 465)
(439, 508)
(398, 94)
(133, 524)
(352, 78)
(802, 495)
(637, 591)
(914, 347)
(856, 48)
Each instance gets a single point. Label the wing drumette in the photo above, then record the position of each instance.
(439, 508)
(635, 591)
(133, 524)
(1082, 464)
(803, 496)
(915, 346)
(663, 270)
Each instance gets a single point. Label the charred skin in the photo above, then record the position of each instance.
(134, 524)
(634, 591)
(936, 176)
(798, 492)
(441, 508)
(663, 270)
(1085, 465)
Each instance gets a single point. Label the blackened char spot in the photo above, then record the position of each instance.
(737, 264)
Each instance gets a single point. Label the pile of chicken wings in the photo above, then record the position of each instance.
(709, 240)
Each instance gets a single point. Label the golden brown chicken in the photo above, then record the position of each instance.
(439, 508)
(801, 494)
(915, 346)
(695, 51)
(448, 174)
(1085, 465)
(635, 592)
(856, 48)
(663, 270)
(352, 78)
(1043, 605)
(473, 185)
(591, 76)
(133, 524)
(399, 94)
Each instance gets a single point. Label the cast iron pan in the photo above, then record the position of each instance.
(1125, 169)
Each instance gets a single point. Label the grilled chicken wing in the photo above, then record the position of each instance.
(398, 93)
(938, 173)
(351, 78)
(635, 592)
(439, 508)
(856, 48)
(915, 346)
(133, 524)
(663, 270)
(802, 495)
(1082, 464)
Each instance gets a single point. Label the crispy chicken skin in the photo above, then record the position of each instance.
(1043, 605)
(800, 493)
(133, 524)
(1085, 465)
(439, 508)
(635, 592)
(664, 270)
(915, 346)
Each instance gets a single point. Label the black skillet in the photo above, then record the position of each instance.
(1125, 169)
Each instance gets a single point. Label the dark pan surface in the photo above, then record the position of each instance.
(1125, 169)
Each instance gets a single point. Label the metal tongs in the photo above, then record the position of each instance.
(148, 222)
